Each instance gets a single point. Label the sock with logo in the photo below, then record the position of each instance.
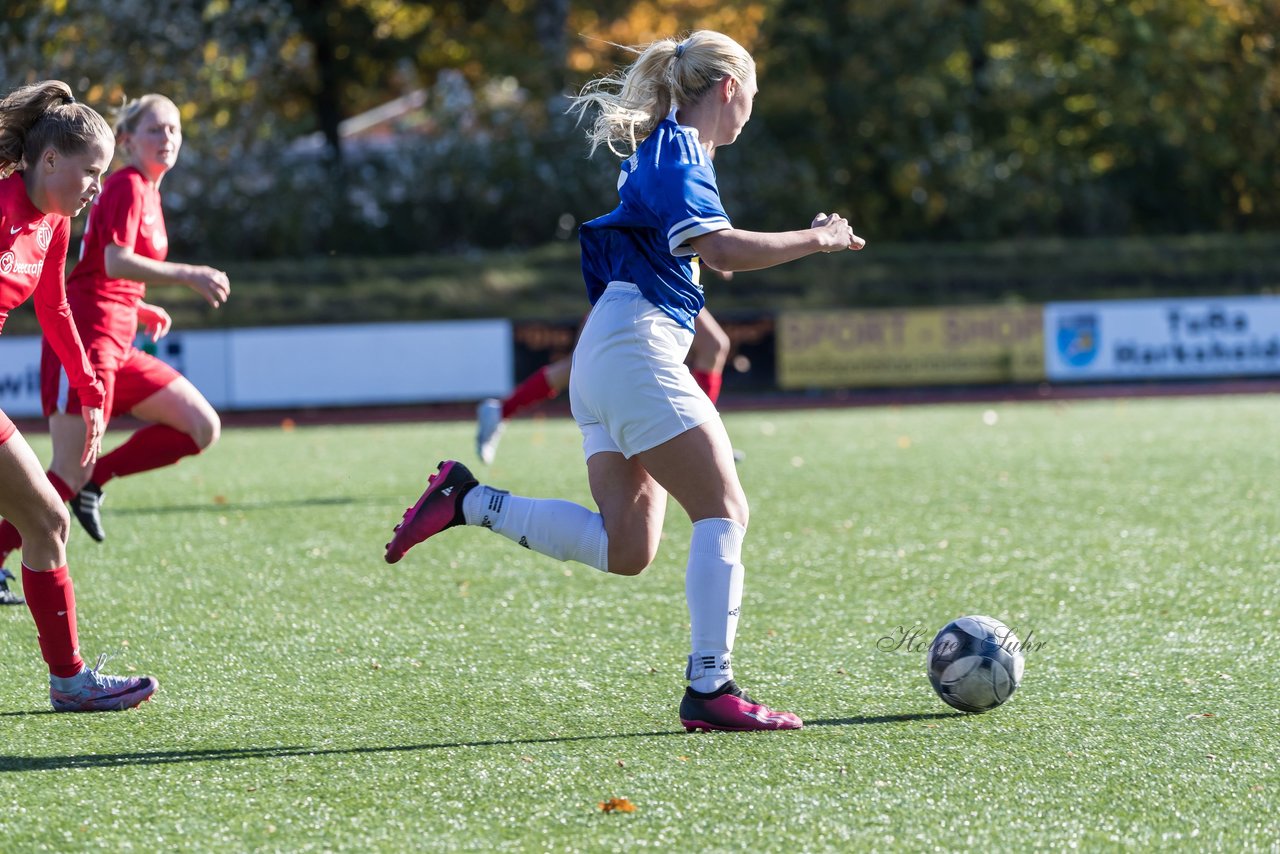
(713, 590)
(10, 539)
(559, 529)
(709, 382)
(52, 601)
(533, 390)
(152, 447)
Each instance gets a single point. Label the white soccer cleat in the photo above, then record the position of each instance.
(489, 427)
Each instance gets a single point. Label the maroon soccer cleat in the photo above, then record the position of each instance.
(729, 708)
(440, 507)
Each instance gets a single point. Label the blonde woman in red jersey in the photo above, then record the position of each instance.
(53, 153)
(124, 249)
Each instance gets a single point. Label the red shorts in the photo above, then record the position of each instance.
(128, 379)
(7, 428)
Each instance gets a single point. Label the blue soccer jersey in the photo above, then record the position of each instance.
(668, 196)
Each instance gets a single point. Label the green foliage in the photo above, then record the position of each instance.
(985, 118)
(922, 119)
(481, 697)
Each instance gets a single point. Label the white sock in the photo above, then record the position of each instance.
(559, 529)
(713, 589)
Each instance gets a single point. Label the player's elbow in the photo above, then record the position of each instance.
(717, 260)
(715, 251)
(114, 258)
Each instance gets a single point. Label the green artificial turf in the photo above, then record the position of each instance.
(479, 696)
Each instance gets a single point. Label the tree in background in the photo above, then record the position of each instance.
(986, 118)
(924, 119)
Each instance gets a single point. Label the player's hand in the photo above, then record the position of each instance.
(93, 428)
(211, 284)
(836, 233)
(154, 320)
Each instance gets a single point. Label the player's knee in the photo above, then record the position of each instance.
(630, 557)
(628, 564)
(737, 509)
(207, 431)
(50, 525)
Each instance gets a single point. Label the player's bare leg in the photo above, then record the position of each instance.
(180, 423)
(29, 501)
(697, 469)
(708, 356)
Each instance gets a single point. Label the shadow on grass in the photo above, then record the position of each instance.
(885, 719)
(171, 757)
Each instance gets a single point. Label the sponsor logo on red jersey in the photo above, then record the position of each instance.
(10, 265)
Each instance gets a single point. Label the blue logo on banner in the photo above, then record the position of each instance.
(1078, 338)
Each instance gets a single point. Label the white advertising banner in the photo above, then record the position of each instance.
(1162, 338)
(283, 367)
(377, 363)
(20, 376)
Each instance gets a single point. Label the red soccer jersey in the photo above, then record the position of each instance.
(127, 213)
(33, 255)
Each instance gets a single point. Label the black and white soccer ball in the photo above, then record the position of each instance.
(975, 663)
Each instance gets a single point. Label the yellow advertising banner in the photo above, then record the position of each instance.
(893, 347)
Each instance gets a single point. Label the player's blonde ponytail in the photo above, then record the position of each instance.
(668, 73)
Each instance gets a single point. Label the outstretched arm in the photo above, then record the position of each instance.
(734, 249)
(122, 263)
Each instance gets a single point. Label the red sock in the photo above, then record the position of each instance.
(533, 390)
(52, 602)
(709, 381)
(150, 448)
(10, 539)
(60, 486)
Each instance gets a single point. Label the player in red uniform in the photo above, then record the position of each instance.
(53, 153)
(124, 248)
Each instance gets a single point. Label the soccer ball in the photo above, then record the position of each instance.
(975, 663)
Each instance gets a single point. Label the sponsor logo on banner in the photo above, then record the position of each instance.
(1078, 338)
(895, 347)
(1174, 338)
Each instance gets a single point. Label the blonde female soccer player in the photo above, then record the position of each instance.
(648, 430)
(53, 153)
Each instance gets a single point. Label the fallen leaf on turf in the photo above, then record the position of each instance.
(617, 805)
